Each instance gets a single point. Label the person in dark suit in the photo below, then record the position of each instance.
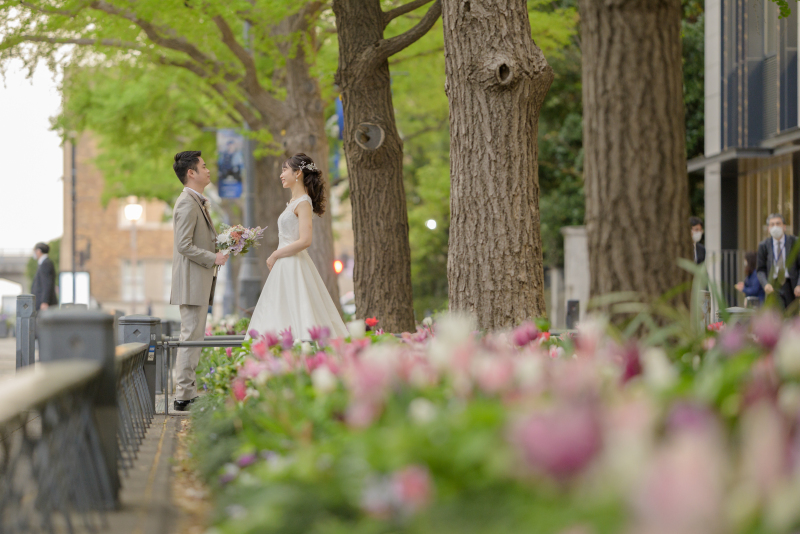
(44, 283)
(697, 235)
(777, 262)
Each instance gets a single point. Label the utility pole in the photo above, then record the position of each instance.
(74, 225)
(249, 278)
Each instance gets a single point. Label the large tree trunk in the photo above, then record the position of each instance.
(303, 131)
(374, 150)
(497, 79)
(637, 203)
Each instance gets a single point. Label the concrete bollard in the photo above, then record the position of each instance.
(144, 329)
(88, 335)
(26, 330)
(573, 313)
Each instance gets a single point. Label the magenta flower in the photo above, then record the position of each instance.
(271, 339)
(287, 339)
(524, 334)
(246, 459)
(229, 352)
(320, 334)
(560, 442)
(767, 329)
(733, 339)
(253, 333)
(631, 363)
(690, 416)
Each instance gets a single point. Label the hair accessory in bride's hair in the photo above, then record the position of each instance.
(309, 166)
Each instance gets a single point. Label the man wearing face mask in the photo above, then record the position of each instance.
(777, 263)
(697, 234)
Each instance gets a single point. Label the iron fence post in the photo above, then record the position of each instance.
(26, 330)
(88, 335)
(144, 329)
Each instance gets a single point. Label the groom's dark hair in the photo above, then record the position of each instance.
(185, 161)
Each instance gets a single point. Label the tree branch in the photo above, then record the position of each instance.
(386, 48)
(50, 11)
(116, 43)
(251, 76)
(415, 56)
(392, 14)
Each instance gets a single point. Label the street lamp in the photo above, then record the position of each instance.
(431, 224)
(133, 213)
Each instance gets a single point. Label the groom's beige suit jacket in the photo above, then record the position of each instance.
(193, 253)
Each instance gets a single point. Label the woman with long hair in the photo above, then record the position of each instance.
(294, 296)
(751, 286)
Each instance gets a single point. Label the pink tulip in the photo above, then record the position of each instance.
(229, 352)
(524, 334)
(287, 339)
(259, 349)
(412, 487)
(271, 339)
(767, 329)
(630, 361)
(733, 339)
(560, 442)
(320, 334)
(253, 333)
(493, 373)
(239, 389)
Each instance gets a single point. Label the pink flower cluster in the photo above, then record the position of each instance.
(401, 493)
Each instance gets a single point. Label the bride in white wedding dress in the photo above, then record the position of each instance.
(294, 295)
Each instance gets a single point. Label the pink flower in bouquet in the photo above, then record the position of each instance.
(287, 339)
(412, 487)
(239, 389)
(229, 352)
(560, 442)
(524, 334)
(320, 334)
(767, 329)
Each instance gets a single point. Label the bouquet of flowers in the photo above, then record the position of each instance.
(238, 239)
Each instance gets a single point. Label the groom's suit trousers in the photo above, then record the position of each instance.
(193, 328)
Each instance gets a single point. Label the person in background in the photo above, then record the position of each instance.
(44, 283)
(751, 286)
(697, 235)
(777, 262)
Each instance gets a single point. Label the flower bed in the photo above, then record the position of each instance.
(445, 430)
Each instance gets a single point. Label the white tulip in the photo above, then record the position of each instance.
(787, 354)
(421, 411)
(306, 348)
(658, 372)
(357, 329)
(323, 380)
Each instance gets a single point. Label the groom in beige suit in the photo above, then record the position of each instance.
(193, 258)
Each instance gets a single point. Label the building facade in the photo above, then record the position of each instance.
(104, 246)
(752, 140)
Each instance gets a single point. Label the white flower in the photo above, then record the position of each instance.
(658, 372)
(421, 411)
(788, 354)
(323, 380)
(427, 321)
(306, 348)
(357, 329)
(455, 328)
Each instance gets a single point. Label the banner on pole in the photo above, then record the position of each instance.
(230, 145)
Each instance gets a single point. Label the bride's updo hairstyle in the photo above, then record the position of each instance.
(312, 179)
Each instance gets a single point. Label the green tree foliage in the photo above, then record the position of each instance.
(693, 35)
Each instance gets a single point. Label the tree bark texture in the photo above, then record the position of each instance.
(374, 151)
(637, 199)
(497, 79)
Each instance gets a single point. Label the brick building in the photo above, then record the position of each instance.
(104, 247)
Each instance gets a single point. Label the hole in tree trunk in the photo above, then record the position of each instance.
(504, 74)
(369, 136)
(467, 7)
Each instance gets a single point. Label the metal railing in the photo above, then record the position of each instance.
(71, 424)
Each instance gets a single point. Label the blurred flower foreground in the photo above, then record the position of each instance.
(448, 430)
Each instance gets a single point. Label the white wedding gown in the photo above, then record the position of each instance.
(294, 295)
